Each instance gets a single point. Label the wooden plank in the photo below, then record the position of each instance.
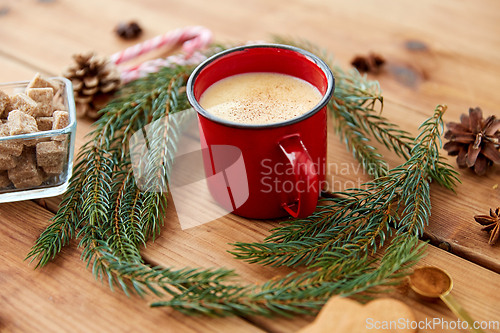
(462, 272)
(13, 70)
(429, 62)
(64, 296)
(446, 68)
(52, 289)
(448, 63)
(454, 229)
(206, 246)
(211, 241)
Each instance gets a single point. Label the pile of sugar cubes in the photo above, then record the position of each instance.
(28, 163)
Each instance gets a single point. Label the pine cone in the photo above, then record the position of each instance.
(474, 140)
(128, 30)
(94, 81)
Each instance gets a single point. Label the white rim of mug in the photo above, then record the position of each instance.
(314, 59)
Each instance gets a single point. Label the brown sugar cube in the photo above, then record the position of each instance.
(39, 81)
(11, 147)
(21, 123)
(44, 123)
(4, 129)
(7, 161)
(36, 180)
(4, 179)
(43, 97)
(31, 142)
(24, 103)
(50, 153)
(60, 120)
(4, 104)
(54, 170)
(26, 167)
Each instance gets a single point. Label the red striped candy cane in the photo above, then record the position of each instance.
(153, 66)
(194, 38)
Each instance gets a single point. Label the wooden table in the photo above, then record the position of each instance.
(437, 52)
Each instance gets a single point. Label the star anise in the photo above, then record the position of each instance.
(474, 140)
(371, 63)
(492, 223)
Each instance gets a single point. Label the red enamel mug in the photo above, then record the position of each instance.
(264, 171)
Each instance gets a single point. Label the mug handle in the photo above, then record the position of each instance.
(306, 176)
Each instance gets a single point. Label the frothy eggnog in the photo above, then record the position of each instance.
(260, 98)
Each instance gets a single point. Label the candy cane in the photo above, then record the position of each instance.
(194, 38)
(152, 66)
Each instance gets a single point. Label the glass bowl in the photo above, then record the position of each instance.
(39, 150)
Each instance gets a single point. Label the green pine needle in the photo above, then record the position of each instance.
(356, 107)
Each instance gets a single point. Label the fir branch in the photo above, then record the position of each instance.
(303, 293)
(124, 236)
(115, 218)
(142, 279)
(352, 226)
(148, 209)
(358, 96)
(354, 107)
(357, 142)
(344, 269)
(63, 228)
(151, 213)
(88, 202)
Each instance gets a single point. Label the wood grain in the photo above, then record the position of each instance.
(65, 288)
(64, 296)
(437, 52)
